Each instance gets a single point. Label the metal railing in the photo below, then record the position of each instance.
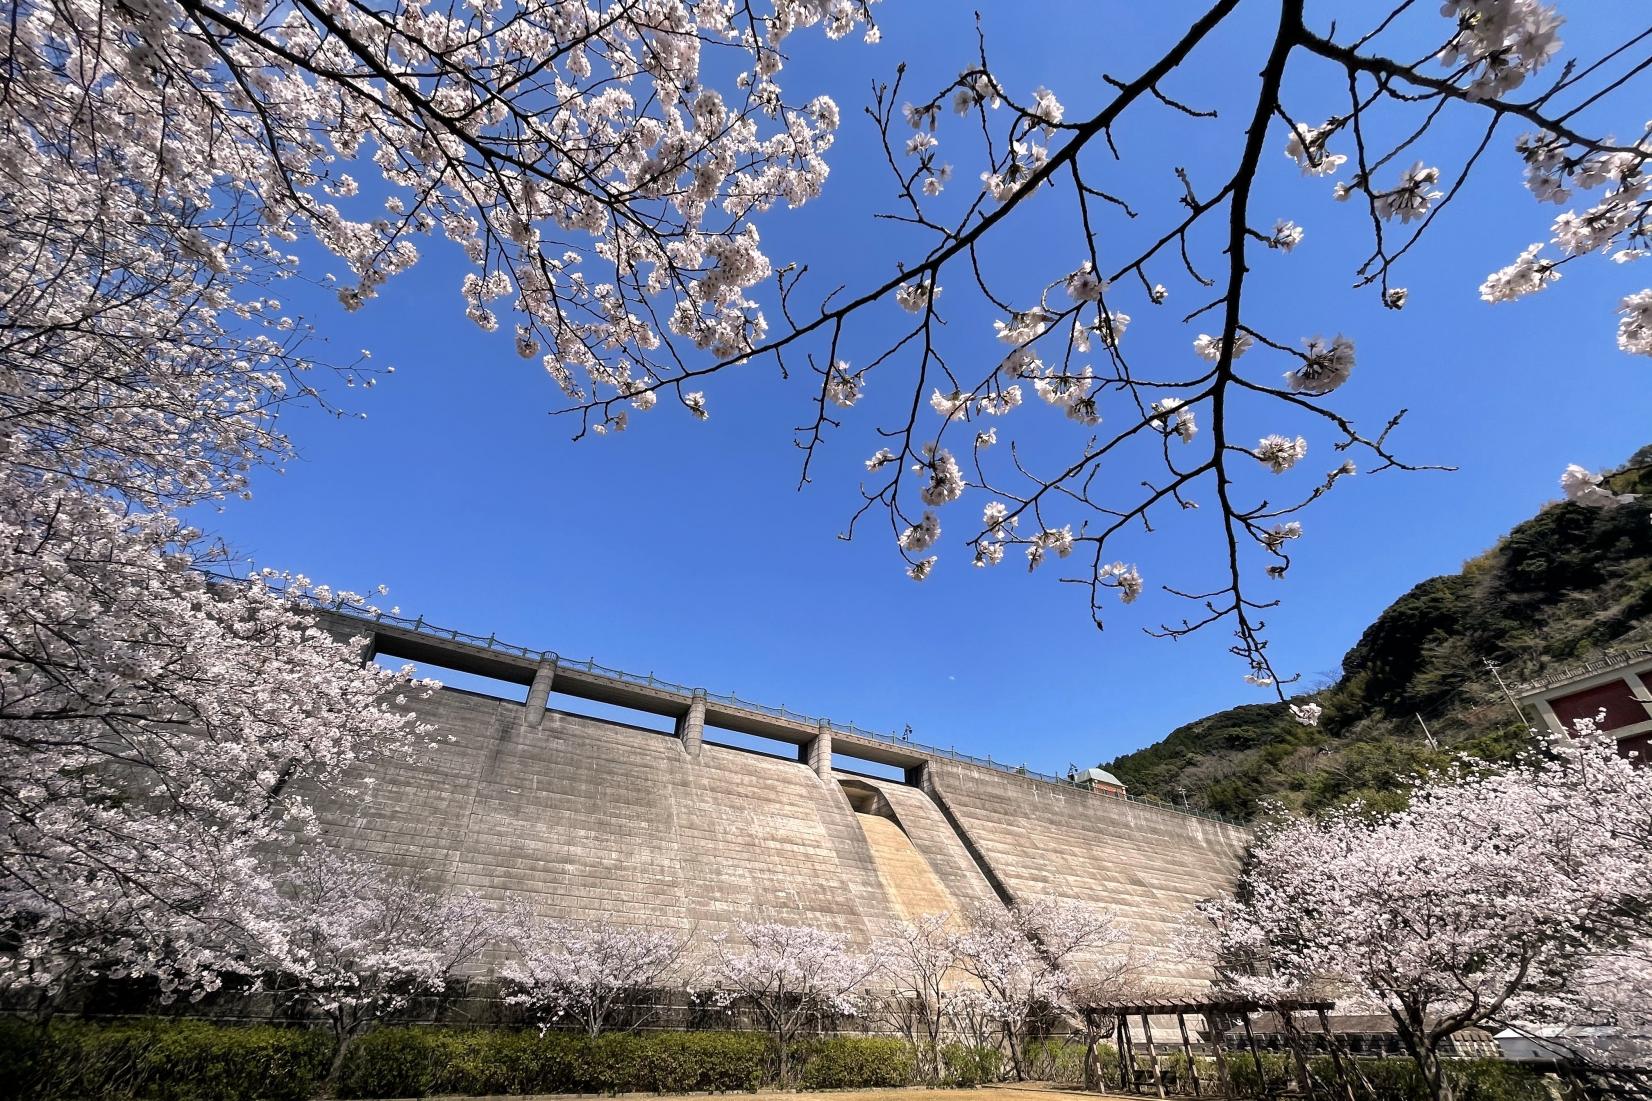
(492, 643)
(1608, 660)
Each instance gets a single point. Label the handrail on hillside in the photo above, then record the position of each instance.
(1608, 660)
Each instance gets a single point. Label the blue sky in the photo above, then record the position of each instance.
(685, 549)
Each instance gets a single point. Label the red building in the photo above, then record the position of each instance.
(1618, 684)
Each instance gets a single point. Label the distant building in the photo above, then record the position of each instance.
(1618, 683)
(1099, 779)
(1550, 1044)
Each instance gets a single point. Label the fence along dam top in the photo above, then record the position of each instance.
(417, 641)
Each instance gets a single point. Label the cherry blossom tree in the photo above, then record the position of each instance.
(1497, 896)
(356, 942)
(1030, 958)
(791, 975)
(585, 971)
(1604, 799)
(920, 958)
(151, 726)
(602, 167)
(162, 157)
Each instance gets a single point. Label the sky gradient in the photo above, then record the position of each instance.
(686, 549)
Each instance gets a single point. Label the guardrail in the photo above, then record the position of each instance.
(1609, 660)
(492, 643)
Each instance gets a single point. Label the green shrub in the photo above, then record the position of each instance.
(1277, 1073)
(854, 1062)
(392, 1062)
(968, 1066)
(160, 1061)
(1391, 1079)
(196, 1061)
(417, 1062)
(693, 1062)
(1058, 1059)
(1495, 1080)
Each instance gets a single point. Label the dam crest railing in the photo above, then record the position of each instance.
(492, 643)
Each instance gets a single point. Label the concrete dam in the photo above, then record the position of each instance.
(597, 820)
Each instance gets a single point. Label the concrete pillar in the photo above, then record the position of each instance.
(369, 649)
(1550, 719)
(691, 727)
(540, 694)
(818, 753)
(1640, 687)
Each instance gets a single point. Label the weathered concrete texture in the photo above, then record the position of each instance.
(940, 845)
(908, 880)
(594, 820)
(597, 821)
(1041, 839)
(691, 727)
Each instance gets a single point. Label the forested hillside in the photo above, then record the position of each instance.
(1569, 581)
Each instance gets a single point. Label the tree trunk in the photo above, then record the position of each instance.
(1433, 1068)
(335, 1072)
(1424, 1051)
(1013, 1036)
(346, 1027)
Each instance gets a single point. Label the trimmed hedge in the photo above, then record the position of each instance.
(1391, 1079)
(854, 1062)
(183, 1060)
(1471, 1080)
(969, 1066)
(160, 1061)
(417, 1062)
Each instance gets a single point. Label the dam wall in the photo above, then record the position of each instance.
(594, 820)
(1150, 865)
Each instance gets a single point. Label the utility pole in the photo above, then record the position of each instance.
(1432, 744)
(1498, 677)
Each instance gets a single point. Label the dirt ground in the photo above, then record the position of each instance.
(1020, 1091)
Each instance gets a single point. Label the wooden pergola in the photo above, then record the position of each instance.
(1220, 1017)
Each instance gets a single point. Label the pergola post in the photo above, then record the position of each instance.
(1299, 1058)
(1256, 1056)
(1218, 1033)
(1152, 1053)
(1344, 1083)
(1092, 1062)
(1127, 1054)
(1187, 1050)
